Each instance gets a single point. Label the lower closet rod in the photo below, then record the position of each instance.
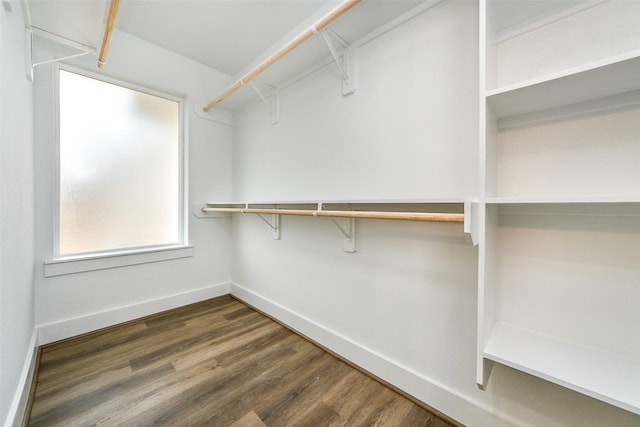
(407, 216)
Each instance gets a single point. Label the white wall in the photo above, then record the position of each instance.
(71, 304)
(16, 212)
(404, 305)
(409, 131)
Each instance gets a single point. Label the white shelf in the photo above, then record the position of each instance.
(345, 201)
(601, 79)
(393, 205)
(564, 200)
(418, 207)
(573, 208)
(605, 376)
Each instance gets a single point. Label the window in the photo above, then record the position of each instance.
(120, 185)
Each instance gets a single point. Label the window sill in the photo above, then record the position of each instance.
(59, 267)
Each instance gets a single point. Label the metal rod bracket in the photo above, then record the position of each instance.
(334, 53)
(346, 65)
(273, 106)
(30, 65)
(349, 232)
(274, 224)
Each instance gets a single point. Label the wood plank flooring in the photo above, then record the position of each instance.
(215, 363)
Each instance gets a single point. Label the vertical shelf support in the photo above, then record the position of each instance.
(483, 380)
(471, 226)
(29, 53)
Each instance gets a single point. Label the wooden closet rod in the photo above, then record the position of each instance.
(321, 24)
(407, 216)
(108, 32)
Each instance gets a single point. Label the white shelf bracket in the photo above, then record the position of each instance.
(30, 31)
(349, 232)
(346, 66)
(273, 106)
(274, 224)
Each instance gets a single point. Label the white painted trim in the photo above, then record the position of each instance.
(183, 154)
(67, 328)
(19, 402)
(59, 267)
(437, 395)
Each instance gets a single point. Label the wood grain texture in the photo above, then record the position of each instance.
(216, 363)
(114, 7)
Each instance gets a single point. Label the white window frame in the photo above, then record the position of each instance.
(88, 261)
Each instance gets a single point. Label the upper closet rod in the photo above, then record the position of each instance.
(321, 24)
(407, 216)
(108, 32)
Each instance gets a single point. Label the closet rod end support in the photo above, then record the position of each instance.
(210, 105)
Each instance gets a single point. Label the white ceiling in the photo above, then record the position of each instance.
(231, 36)
(226, 35)
(77, 20)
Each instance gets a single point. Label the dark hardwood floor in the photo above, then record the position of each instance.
(215, 363)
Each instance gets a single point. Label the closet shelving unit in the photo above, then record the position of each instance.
(319, 26)
(381, 17)
(448, 211)
(559, 258)
(330, 38)
(441, 211)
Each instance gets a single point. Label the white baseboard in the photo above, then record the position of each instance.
(432, 393)
(19, 402)
(67, 328)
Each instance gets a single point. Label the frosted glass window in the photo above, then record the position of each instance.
(120, 168)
